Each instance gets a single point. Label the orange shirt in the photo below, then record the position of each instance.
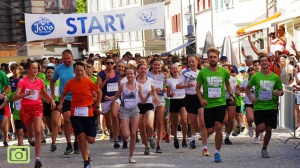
(82, 95)
(276, 69)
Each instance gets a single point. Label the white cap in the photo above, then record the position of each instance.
(204, 56)
(271, 54)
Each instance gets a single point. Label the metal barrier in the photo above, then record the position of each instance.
(287, 112)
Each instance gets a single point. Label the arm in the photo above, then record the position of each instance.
(4, 104)
(99, 96)
(18, 94)
(296, 76)
(229, 89)
(199, 94)
(154, 94)
(252, 45)
(117, 95)
(169, 94)
(6, 89)
(61, 100)
(49, 98)
(143, 99)
(101, 83)
(52, 87)
(293, 46)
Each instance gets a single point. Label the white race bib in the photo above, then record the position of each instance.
(18, 104)
(81, 111)
(33, 96)
(214, 92)
(158, 84)
(179, 92)
(56, 90)
(130, 103)
(112, 87)
(265, 95)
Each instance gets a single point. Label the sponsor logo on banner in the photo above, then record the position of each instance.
(42, 27)
(148, 16)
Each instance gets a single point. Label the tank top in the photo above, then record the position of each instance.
(129, 99)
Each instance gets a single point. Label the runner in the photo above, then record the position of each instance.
(64, 72)
(29, 89)
(187, 81)
(129, 111)
(146, 110)
(177, 106)
(268, 88)
(82, 112)
(213, 78)
(159, 80)
(108, 80)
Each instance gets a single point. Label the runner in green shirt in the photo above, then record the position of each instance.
(16, 114)
(213, 79)
(267, 88)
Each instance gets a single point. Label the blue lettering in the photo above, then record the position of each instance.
(109, 23)
(120, 16)
(71, 25)
(82, 24)
(97, 26)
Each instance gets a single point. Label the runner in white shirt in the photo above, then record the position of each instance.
(177, 106)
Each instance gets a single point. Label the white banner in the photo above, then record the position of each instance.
(47, 26)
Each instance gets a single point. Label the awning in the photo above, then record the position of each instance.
(178, 48)
(282, 18)
(250, 28)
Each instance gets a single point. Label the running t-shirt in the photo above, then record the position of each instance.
(264, 90)
(179, 93)
(14, 83)
(111, 86)
(213, 83)
(64, 74)
(252, 91)
(146, 87)
(56, 90)
(82, 96)
(26, 85)
(3, 81)
(129, 99)
(41, 76)
(159, 81)
(16, 106)
(189, 76)
(233, 83)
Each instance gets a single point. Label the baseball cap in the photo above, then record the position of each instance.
(271, 54)
(224, 58)
(137, 54)
(242, 69)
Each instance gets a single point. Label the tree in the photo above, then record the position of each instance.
(81, 6)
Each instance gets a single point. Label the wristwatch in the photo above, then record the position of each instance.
(97, 107)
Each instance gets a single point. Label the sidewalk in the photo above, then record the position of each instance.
(243, 153)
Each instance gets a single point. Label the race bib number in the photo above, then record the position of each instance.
(179, 92)
(18, 104)
(214, 92)
(265, 95)
(130, 103)
(81, 111)
(112, 87)
(33, 96)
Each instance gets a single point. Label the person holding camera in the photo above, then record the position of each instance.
(286, 77)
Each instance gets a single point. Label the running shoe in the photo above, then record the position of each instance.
(125, 145)
(236, 132)
(76, 148)
(227, 141)
(87, 165)
(5, 144)
(184, 144)
(193, 144)
(152, 143)
(147, 151)
(246, 131)
(256, 140)
(38, 163)
(158, 149)
(69, 150)
(250, 133)
(218, 158)
(264, 153)
(103, 137)
(43, 140)
(176, 144)
(32, 143)
(53, 147)
(116, 144)
(205, 152)
(131, 160)
(167, 138)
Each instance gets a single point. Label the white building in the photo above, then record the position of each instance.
(144, 42)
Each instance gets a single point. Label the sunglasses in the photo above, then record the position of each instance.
(109, 63)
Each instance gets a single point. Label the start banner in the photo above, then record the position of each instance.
(47, 26)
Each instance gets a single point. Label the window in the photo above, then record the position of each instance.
(203, 4)
(176, 23)
(119, 37)
(216, 5)
(140, 35)
(133, 36)
(125, 36)
(221, 4)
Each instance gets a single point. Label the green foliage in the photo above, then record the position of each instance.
(81, 6)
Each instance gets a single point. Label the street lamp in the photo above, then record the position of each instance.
(227, 3)
(188, 17)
